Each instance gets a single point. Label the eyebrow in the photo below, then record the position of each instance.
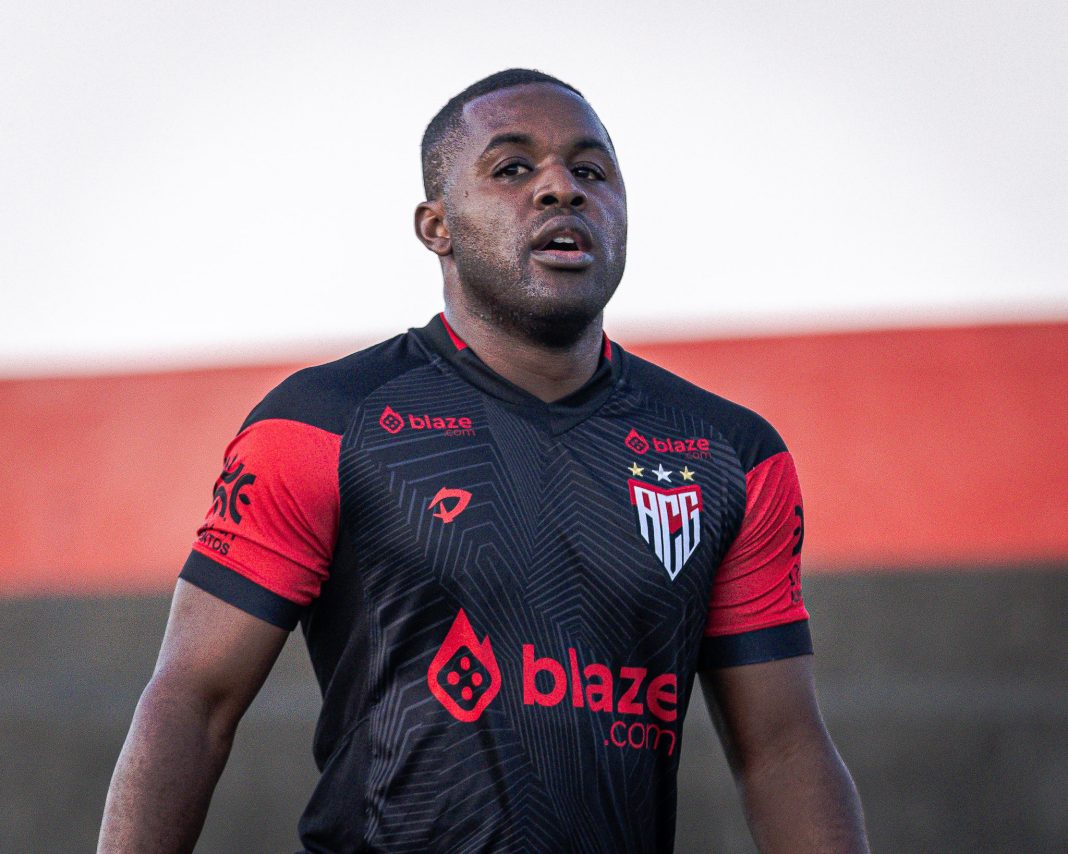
(503, 139)
(586, 143)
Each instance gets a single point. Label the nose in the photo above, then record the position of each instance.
(559, 189)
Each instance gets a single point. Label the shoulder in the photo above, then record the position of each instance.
(753, 438)
(325, 396)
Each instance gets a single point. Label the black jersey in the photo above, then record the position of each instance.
(505, 601)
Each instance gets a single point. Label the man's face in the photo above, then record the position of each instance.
(536, 209)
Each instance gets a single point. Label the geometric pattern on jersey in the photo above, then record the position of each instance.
(543, 580)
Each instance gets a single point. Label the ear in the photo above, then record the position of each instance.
(430, 227)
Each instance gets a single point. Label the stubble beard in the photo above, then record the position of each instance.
(507, 294)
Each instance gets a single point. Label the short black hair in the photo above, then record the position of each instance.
(445, 129)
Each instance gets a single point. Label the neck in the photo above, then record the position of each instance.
(548, 373)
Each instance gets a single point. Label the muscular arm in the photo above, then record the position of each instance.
(797, 792)
(212, 663)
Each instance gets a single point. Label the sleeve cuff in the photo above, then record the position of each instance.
(785, 641)
(234, 589)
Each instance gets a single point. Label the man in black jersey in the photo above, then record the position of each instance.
(511, 547)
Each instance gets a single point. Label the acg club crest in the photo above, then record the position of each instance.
(669, 519)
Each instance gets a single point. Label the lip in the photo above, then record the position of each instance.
(560, 259)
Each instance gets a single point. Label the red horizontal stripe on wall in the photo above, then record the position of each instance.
(105, 479)
(915, 448)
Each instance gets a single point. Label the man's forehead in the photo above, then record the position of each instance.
(537, 109)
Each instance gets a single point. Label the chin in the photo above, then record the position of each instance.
(557, 330)
(552, 308)
(556, 321)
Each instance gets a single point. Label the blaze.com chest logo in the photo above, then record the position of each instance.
(451, 425)
(694, 447)
(465, 678)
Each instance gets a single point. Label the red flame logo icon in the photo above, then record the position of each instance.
(391, 420)
(447, 514)
(464, 675)
(636, 442)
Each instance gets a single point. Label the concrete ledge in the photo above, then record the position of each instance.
(947, 694)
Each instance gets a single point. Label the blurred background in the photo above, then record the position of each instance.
(852, 217)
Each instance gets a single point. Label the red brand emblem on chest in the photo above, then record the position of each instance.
(464, 676)
(636, 442)
(446, 514)
(451, 425)
(391, 420)
(695, 447)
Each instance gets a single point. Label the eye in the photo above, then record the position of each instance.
(588, 173)
(511, 170)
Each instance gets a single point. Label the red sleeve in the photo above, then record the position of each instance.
(274, 516)
(758, 585)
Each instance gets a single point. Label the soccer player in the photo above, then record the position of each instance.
(511, 547)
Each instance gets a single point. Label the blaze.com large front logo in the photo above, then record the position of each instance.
(464, 675)
(465, 678)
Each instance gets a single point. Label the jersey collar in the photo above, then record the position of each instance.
(560, 415)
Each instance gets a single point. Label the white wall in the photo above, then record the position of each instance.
(205, 182)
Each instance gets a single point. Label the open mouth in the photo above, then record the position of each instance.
(563, 245)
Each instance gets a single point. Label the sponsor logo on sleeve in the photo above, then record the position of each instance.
(229, 495)
(217, 541)
(795, 570)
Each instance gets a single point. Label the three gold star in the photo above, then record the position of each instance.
(638, 471)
